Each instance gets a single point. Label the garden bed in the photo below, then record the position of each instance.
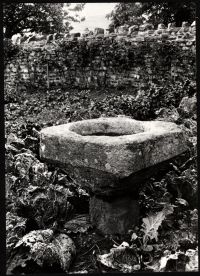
(41, 196)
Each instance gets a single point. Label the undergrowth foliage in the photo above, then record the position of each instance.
(99, 63)
(10, 50)
(43, 197)
(119, 55)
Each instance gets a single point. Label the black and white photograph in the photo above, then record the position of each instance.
(100, 118)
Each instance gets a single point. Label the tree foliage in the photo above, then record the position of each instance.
(38, 17)
(151, 12)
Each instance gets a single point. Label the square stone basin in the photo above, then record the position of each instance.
(111, 157)
(102, 152)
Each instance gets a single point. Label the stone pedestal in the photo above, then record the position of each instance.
(114, 216)
(112, 157)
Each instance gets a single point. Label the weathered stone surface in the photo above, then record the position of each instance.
(55, 36)
(133, 29)
(171, 26)
(146, 27)
(73, 35)
(185, 24)
(32, 38)
(122, 29)
(15, 38)
(161, 26)
(188, 106)
(98, 31)
(168, 114)
(116, 216)
(144, 66)
(49, 38)
(104, 152)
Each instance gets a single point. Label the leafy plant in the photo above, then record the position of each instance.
(152, 223)
(15, 229)
(10, 50)
(43, 248)
(122, 258)
(41, 193)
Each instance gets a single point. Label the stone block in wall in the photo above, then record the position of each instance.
(120, 37)
(100, 36)
(14, 69)
(150, 32)
(122, 30)
(176, 29)
(24, 38)
(146, 27)
(172, 38)
(107, 31)
(161, 26)
(133, 29)
(188, 36)
(88, 79)
(6, 71)
(149, 38)
(77, 80)
(182, 30)
(189, 43)
(37, 49)
(171, 25)
(139, 38)
(12, 77)
(98, 31)
(180, 38)
(32, 54)
(31, 38)
(185, 48)
(193, 48)
(134, 34)
(193, 29)
(49, 38)
(141, 33)
(164, 36)
(112, 35)
(77, 35)
(23, 69)
(25, 76)
(102, 73)
(113, 77)
(11, 66)
(159, 32)
(114, 83)
(55, 36)
(91, 33)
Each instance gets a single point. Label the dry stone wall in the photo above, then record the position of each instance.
(132, 57)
